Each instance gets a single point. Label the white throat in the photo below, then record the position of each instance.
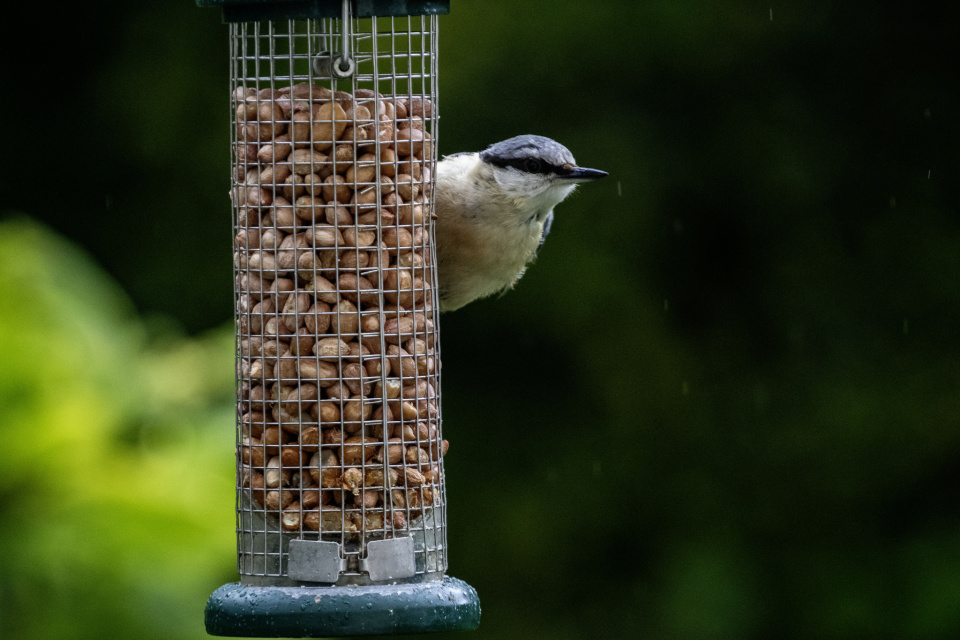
(531, 195)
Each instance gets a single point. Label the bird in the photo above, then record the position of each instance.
(494, 209)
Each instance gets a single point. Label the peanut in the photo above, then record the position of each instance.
(329, 122)
(291, 517)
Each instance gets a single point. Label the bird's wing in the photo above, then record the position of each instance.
(546, 229)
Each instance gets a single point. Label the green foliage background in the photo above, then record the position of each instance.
(723, 403)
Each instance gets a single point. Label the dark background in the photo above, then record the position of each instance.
(723, 403)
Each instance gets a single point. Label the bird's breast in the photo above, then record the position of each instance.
(480, 254)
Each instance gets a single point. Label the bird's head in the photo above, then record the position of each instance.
(537, 168)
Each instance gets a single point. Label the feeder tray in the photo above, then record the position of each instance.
(341, 495)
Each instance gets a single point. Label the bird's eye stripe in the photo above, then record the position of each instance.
(521, 164)
(531, 165)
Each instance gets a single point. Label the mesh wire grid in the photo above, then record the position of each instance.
(338, 355)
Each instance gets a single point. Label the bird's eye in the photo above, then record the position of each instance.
(531, 165)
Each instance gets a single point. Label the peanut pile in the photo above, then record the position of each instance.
(337, 345)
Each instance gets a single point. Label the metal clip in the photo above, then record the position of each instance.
(315, 561)
(389, 559)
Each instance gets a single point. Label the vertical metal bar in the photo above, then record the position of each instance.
(440, 525)
(234, 172)
(344, 25)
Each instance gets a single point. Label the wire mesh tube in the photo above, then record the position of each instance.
(338, 356)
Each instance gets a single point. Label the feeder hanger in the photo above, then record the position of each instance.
(342, 65)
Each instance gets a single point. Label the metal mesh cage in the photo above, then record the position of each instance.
(339, 447)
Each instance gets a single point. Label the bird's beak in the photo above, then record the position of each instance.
(582, 174)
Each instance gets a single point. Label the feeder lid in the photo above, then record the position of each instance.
(253, 10)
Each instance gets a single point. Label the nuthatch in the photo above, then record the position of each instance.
(494, 210)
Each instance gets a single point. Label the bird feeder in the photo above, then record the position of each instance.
(340, 495)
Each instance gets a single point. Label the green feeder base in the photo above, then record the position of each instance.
(309, 612)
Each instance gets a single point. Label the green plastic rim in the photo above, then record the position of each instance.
(247, 611)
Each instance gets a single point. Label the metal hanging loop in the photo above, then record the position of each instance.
(330, 64)
(343, 66)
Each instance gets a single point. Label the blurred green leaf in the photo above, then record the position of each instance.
(117, 485)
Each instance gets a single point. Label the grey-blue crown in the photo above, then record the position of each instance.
(533, 154)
